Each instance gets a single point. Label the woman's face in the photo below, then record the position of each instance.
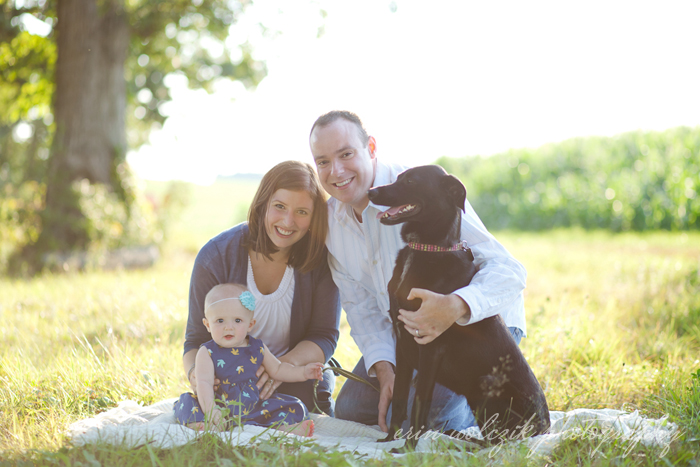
(288, 217)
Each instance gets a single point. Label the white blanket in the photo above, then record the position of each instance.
(131, 425)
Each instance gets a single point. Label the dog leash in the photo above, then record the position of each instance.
(335, 367)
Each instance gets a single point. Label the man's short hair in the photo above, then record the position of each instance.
(333, 115)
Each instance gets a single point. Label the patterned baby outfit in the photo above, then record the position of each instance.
(235, 368)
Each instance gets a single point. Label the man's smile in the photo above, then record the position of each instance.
(343, 183)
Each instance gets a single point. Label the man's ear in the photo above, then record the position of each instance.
(372, 146)
(456, 191)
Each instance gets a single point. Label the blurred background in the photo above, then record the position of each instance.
(554, 115)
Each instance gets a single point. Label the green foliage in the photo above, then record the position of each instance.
(187, 39)
(107, 222)
(19, 214)
(209, 209)
(176, 199)
(183, 38)
(634, 181)
(26, 90)
(26, 83)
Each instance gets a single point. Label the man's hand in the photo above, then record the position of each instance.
(436, 314)
(385, 375)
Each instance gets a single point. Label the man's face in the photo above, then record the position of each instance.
(345, 165)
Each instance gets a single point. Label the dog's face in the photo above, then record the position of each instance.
(419, 194)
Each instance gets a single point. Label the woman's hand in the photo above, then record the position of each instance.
(266, 384)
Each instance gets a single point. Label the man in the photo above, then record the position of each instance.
(362, 255)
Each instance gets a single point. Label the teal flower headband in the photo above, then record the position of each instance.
(246, 298)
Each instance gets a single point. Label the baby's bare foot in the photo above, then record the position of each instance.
(196, 426)
(305, 428)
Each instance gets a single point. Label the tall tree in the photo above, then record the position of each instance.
(112, 58)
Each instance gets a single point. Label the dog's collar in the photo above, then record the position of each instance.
(461, 246)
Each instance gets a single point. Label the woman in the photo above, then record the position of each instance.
(280, 255)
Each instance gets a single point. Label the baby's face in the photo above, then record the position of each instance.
(229, 323)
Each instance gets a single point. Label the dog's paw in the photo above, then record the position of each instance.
(409, 446)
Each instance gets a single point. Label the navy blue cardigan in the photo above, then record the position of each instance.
(315, 306)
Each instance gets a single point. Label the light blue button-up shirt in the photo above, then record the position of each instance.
(362, 257)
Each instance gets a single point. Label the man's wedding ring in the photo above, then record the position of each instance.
(417, 334)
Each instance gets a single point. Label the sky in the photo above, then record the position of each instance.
(432, 79)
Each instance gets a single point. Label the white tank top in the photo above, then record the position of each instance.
(273, 312)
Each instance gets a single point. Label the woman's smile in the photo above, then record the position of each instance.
(284, 232)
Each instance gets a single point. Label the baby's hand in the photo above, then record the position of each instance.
(313, 371)
(217, 420)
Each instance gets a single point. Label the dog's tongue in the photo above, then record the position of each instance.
(392, 211)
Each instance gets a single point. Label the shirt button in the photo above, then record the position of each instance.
(374, 262)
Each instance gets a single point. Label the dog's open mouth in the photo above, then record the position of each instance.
(395, 214)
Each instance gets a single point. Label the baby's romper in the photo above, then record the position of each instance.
(236, 368)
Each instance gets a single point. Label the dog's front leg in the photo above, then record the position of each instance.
(429, 360)
(402, 386)
(404, 370)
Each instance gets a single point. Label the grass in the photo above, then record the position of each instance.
(613, 321)
(209, 209)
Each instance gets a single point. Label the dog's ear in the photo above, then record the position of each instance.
(456, 191)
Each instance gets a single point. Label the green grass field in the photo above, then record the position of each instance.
(613, 321)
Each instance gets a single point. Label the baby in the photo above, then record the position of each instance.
(233, 358)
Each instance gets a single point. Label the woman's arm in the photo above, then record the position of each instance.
(323, 329)
(208, 270)
(196, 333)
(188, 362)
(204, 277)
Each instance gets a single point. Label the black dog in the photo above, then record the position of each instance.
(480, 361)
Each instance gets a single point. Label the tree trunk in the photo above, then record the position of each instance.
(89, 111)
